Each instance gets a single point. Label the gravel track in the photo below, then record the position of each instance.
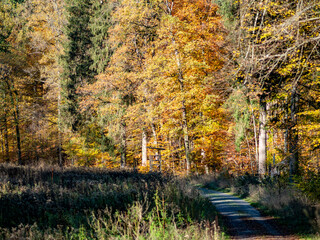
(242, 220)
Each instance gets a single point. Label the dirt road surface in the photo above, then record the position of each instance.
(242, 220)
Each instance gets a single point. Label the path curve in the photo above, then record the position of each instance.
(243, 221)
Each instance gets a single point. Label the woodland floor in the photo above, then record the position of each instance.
(243, 221)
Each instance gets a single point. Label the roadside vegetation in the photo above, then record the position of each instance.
(293, 208)
(81, 203)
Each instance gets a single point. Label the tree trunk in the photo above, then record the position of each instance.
(262, 137)
(144, 148)
(123, 147)
(17, 122)
(183, 103)
(255, 138)
(204, 161)
(293, 135)
(6, 138)
(186, 136)
(184, 112)
(286, 133)
(16, 117)
(154, 133)
(59, 130)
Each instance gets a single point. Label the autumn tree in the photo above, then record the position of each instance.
(134, 24)
(188, 50)
(276, 49)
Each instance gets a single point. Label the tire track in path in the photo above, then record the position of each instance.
(243, 221)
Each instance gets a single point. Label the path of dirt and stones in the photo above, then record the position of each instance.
(242, 220)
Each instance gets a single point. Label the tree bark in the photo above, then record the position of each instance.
(144, 148)
(16, 117)
(293, 135)
(262, 137)
(6, 138)
(154, 133)
(123, 147)
(17, 123)
(184, 112)
(59, 130)
(183, 103)
(255, 138)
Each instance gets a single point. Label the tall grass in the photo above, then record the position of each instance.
(80, 203)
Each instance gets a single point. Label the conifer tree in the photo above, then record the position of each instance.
(100, 22)
(77, 60)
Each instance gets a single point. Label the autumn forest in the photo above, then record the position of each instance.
(221, 85)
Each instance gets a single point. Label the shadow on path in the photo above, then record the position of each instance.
(243, 221)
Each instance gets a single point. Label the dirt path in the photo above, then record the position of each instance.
(242, 220)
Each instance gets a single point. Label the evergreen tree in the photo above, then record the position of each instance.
(77, 61)
(99, 25)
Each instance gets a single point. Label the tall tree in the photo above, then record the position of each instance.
(276, 49)
(77, 60)
(187, 52)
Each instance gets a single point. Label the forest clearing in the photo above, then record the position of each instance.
(113, 110)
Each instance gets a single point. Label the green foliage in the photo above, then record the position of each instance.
(239, 106)
(309, 183)
(76, 61)
(228, 9)
(100, 22)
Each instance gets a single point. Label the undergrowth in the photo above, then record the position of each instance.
(80, 203)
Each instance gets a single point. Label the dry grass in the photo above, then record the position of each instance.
(81, 203)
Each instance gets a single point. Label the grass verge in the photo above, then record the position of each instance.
(273, 197)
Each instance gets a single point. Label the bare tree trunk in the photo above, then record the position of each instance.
(59, 129)
(16, 116)
(123, 147)
(286, 133)
(17, 123)
(154, 133)
(249, 152)
(155, 138)
(203, 161)
(255, 138)
(184, 112)
(262, 137)
(144, 148)
(293, 135)
(6, 138)
(183, 102)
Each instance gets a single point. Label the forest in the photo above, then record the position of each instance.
(94, 90)
(219, 85)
